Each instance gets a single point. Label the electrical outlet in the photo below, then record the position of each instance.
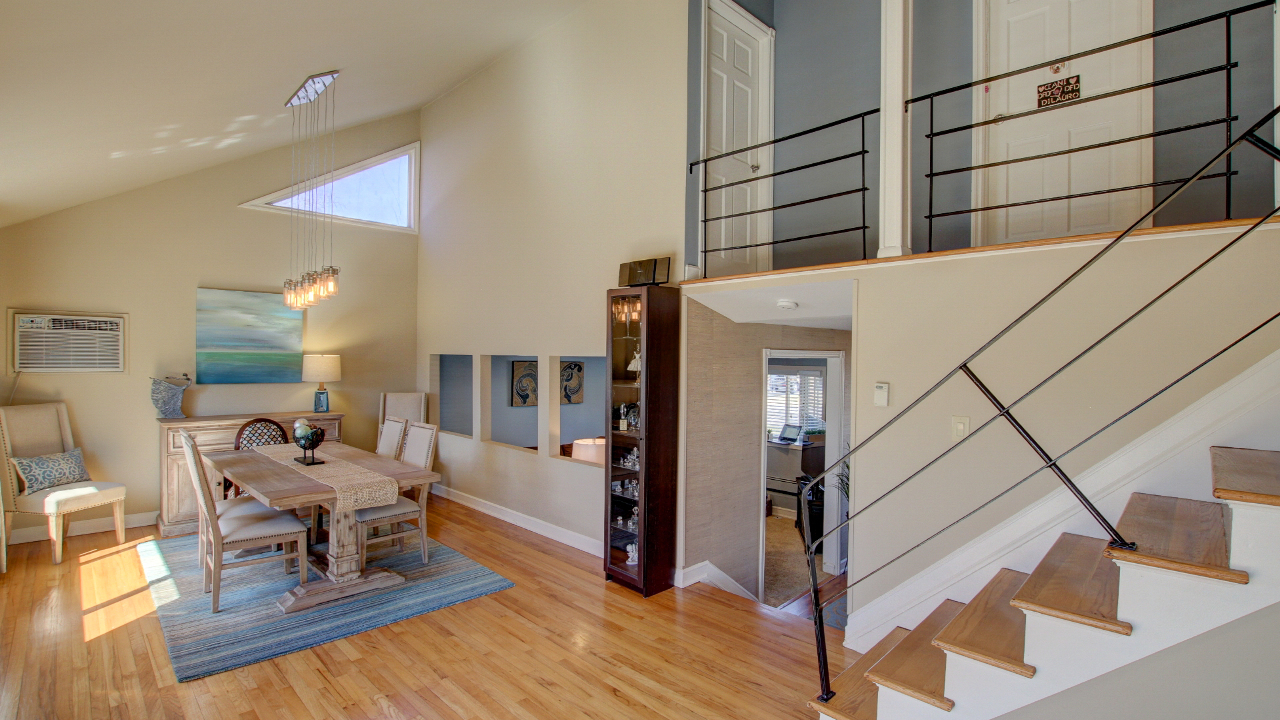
(959, 428)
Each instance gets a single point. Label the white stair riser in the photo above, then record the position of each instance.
(1167, 607)
(1066, 653)
(893, 705)
(982, 691)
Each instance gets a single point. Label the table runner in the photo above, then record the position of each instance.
(355, 486)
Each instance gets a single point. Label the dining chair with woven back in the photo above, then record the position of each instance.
(239, 523)
(259, 432)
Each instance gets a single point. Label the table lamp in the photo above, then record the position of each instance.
(321, 369)
(589, 449)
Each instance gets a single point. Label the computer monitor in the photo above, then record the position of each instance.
(789, 434)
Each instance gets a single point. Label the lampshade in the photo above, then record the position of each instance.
(589, 449)
(321, 368)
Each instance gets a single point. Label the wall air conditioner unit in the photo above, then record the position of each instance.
(67, 343)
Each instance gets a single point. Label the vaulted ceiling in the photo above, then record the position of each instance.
(101, 97)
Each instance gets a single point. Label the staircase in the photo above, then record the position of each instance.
(1086, 608)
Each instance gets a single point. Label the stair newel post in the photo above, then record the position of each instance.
(819, 626)
(1117, 541)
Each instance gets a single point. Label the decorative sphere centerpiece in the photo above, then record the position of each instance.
(308, 437)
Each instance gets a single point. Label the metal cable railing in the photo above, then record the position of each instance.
(861, 190)
(1225, 69)
(1049, 462)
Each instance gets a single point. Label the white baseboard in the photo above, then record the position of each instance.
(1020, 541)
(784, 513)
(40, 533)
(519, 519)
(711, 575)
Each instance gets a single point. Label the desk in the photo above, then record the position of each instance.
(280, 486)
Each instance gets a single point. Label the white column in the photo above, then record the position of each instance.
(895, 146)
(549, 405)
(482, 397)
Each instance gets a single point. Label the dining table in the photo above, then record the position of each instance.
(280, 486)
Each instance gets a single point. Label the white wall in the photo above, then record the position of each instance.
(145, 252)
(541, 174)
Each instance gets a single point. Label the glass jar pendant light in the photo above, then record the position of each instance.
(314, 274)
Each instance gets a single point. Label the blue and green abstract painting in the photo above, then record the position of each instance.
(246, 337)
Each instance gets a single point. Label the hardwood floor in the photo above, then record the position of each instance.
(81, 640)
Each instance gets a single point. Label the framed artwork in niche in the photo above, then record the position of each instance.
(571, 382)
(246, 337)
(524, 383)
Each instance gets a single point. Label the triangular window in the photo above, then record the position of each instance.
(378, 192)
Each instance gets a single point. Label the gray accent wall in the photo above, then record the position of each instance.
(587, 418)
(942, 35)
(456, 383)
(1191, 101)
(763, 10)
(826, 67)
(511, 425)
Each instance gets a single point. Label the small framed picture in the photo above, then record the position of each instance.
(524, 383)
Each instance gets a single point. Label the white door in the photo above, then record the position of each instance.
(738, 115)
(1021, 33)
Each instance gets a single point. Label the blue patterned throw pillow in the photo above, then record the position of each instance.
(46, 471)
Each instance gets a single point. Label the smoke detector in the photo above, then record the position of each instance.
(788, 304)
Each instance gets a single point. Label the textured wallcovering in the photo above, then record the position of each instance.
(724, 435)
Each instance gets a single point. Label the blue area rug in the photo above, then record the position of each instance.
(249, 627)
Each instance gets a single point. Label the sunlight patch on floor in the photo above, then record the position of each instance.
(113, 586)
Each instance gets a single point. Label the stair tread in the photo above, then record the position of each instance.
(1246, 475)
(989, 629)
(1075, 581)
(1189, 536)
(856, 695)
(917, 667)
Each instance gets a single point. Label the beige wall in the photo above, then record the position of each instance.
(541, 174)
(146, 251)
(918, 318)
(725, 432)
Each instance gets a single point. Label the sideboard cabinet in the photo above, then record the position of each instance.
(214, 432)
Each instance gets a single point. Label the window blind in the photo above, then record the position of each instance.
(795, 399)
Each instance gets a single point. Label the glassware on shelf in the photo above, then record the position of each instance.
(618, 523)
(634, 522)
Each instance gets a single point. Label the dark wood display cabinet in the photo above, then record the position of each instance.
(644, 367)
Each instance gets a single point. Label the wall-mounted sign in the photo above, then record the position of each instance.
(1058, 91)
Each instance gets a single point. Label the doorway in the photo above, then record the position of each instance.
(804, 426)
(1013, 34)
(738, 113)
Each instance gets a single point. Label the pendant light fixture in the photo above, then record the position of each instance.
(314, 277)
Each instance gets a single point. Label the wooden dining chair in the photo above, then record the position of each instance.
(258, 432)
(239, 523)
(391, 437)
(398, 516)
(410, 406)
(419, 449)
(420, 445)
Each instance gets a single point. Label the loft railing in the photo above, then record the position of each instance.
(1005, 410)
(1228, 117)
(860, 190)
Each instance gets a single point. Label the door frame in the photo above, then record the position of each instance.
(981, 69)
(834, 384)
(764, 35)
